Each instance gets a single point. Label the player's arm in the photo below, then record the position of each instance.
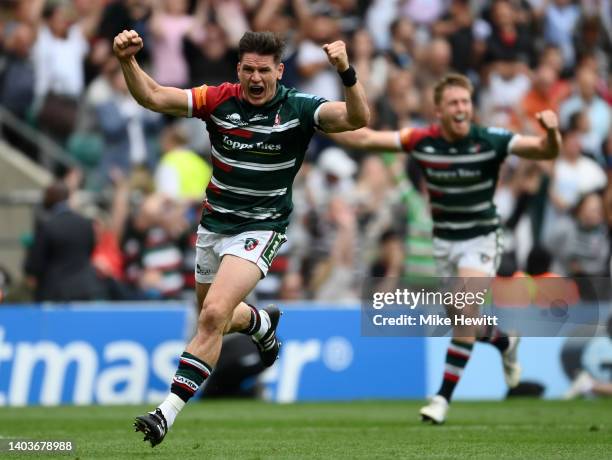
(352, 114)
(368, 139)
(146, 91)
(545, 147)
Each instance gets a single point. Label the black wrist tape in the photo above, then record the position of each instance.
(348, 77)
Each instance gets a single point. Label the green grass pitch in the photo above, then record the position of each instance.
(356, 430)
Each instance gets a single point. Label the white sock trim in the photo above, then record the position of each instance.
(171, 406)
(264, 326)
(177, 402)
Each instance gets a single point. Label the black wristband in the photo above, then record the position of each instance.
(348, 77)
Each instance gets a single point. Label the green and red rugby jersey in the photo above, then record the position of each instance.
(256, 153)
(461, 177)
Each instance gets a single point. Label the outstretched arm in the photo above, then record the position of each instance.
(544, 147)
(146, 91)
(368, 139)
(352, 114)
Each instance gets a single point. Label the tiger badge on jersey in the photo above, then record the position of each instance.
(250, 244)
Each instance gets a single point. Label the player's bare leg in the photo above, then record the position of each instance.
(240, 317)
(260, 324)
(235, 279)
(460, 349)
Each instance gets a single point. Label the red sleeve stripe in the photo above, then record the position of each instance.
(198, 96)
(412, 136)
(207, 98)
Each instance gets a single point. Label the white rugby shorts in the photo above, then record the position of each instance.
(259, 247)
(481, 253)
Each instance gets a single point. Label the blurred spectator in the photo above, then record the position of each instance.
(292, 287)
(333, 176)
(574, 176)
(421, 12)
(589, 61)
(107, 256)
(401, 51)
(230, 15)
(560, 20)
(126, 15)
(581, 245)
(127, 129)
(390, 257)
(401, 101)
(464, 33)
(333, 277)
(590, 144)
(17, 71)
(58, 57)
(520, 199)
(153, 243)
(59, 262)
(17, 81)
(546, 93)
(434, 63)
(98, 92)
(507, 85)
(371, 68)
(379, 17)
(591, 39)
(317, 75)
(346, 12)
(586, 98)
(169, 24)
(274, 15)
(539, 262)
(376, 204)
(181, 173)
(509, 40)
(210, 60)
(325, 225)
(419, 263)
(551, 56)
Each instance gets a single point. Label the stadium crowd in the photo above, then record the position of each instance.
(355, 214)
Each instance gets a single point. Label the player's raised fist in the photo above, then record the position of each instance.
(126, 44)
(336, 53)
(548, 120)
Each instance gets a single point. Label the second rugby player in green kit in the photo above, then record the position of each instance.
(259, 131)
(460, 162)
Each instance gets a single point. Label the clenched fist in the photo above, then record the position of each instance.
(127, 44)
(336, 53)
(548, 120)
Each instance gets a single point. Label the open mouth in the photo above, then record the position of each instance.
(459, 117)
(256, 90)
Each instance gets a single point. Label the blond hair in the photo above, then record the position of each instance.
(449, 80)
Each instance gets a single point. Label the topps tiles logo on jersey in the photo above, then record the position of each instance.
(250, 244)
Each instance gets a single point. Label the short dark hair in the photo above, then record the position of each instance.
(262, 43)
(451, 79)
